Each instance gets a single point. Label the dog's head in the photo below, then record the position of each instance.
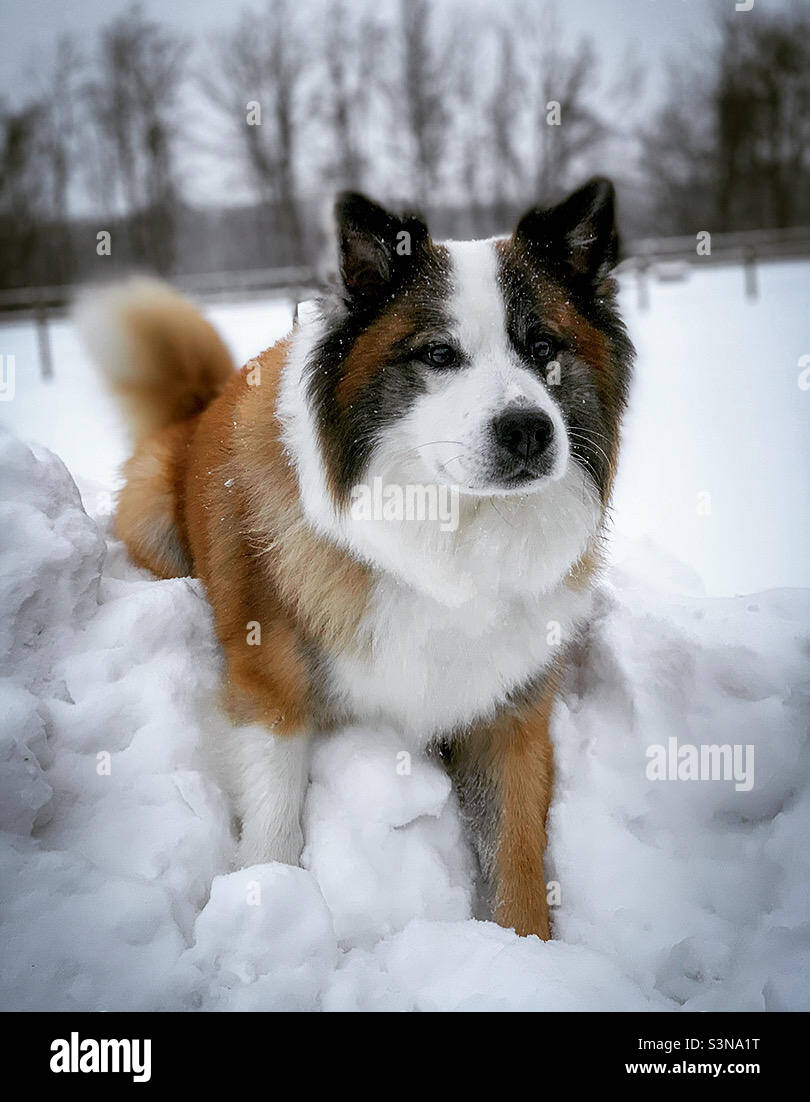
(498, 367)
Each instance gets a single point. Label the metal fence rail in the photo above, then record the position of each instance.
(664, 258)
(42, 305)
(660, 258)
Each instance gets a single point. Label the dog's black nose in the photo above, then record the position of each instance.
(523, 433)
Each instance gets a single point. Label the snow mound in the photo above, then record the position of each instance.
(117, 847)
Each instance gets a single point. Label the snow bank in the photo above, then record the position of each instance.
(117, 847)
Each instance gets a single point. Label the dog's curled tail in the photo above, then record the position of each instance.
(159, 355)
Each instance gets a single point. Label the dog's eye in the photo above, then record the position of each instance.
(439, 355)
(541, 348)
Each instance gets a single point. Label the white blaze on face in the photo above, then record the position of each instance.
(522, 540)
(451, 424)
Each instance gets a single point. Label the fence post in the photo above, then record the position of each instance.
(750, 269)
(643, 286)
(44, 341)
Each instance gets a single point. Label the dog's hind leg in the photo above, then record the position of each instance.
(147, 517)
(503, 774)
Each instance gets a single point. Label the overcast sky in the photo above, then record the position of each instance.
(656, 27)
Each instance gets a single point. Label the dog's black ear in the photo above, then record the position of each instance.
(376, 248)
(578, 237)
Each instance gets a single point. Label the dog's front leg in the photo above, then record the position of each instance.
(503, 773)
(266, 767)
(270, 774)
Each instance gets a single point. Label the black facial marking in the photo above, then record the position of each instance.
(555, 279)
(365, 372)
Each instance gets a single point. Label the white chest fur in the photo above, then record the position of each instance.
(427, 668)
(458, 621)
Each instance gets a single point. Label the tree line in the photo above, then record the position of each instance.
(205, 154)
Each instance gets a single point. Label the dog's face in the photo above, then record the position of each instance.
(491, 366)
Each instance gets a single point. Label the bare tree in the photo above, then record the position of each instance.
(560, 80)
(23, 194)
(505, 112)
(730, 148)
(762, 117)
(134, 104)
(677, 157)
(423, 93)
(60, 151)
(37, 164)
(350, 47)
(256, 85)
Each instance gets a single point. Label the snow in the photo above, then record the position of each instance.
(718, 410)
(117, 846)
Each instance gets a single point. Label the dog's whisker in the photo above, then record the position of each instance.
(431, 444)
(589, 444)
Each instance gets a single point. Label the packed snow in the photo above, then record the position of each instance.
(118, 883)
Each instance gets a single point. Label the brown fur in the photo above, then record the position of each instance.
(219, 487)
(586, 569)
(592, 346)
(521, 757)
(215, 494)
(369, 349)
(150, 518)
(503, 771)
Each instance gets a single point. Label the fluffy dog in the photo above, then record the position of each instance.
(496, 370)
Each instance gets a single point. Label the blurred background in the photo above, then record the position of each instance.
(206, 137)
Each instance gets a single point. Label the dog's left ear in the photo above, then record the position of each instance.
(375, 248)
(578, 237)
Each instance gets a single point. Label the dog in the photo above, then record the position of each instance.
(497, 370)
